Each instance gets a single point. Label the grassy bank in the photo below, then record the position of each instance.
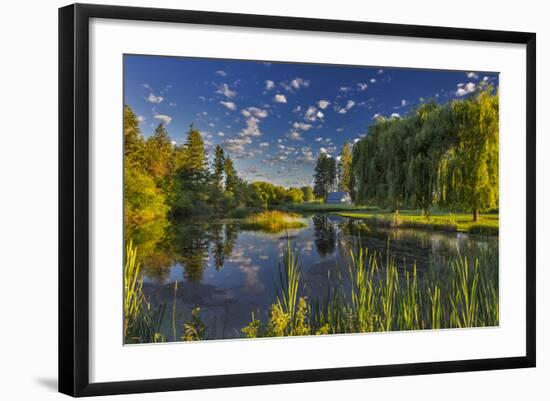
(317, 207)
(488, 225)
(272, 221)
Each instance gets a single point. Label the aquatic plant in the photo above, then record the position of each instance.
(142, 319)
(460, 292)
(272, 221)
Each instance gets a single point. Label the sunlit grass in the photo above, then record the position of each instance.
(462, 292)
(273, 221)
(142, 320)
(488, 224)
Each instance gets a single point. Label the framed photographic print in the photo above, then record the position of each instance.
(251, 199)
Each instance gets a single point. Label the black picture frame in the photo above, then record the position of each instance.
(74, 198)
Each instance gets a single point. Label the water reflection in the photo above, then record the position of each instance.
(231, 273)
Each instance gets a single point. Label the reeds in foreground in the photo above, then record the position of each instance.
(463, 292)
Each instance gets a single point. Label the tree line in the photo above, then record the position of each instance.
(164, 181)
(331, 174)
(438, 155)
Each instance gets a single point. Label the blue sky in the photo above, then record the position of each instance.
(273, 118)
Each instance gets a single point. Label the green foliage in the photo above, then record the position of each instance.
(294, 195)
(308, 195)
(325, 176)
(442, 155)
(461, 292)
(272, 221)
(194, 330)
(346, 181)
(142, 320)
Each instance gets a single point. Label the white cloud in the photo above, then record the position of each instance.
(339, 129)
(464, 90)
(301, 126)
(377, 116)
(220, 133)
(264, 144)
(373, 80)
(154, 99)
(254, 111)
(318, 139)
(298, 83)
(164, 118)
(347, 107)
(280, 98)
(269, 84)
(362, 86)
(395, 115)
(344, 89)
(485, 79)
(380, 71)
(297, 109)
(252, 128)
(146, 86)
(295, 135)
(221, 73)
(323, 150)
(472, 75)
(312, 114)
(236, 145)
(229, 105)
(404, 103)
(140, 119)
(323, 104)
(224, 90)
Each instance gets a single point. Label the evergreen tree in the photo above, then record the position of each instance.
(195, 168)
(159, 154)
(218, 167)
(325, 176)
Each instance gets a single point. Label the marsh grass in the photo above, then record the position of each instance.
(449, 222)
(457, 293)
(142, 319)
(272, 221)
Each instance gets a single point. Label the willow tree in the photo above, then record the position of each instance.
(472, 176)
(444, 155)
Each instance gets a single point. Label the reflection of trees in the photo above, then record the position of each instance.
(196, 239)
(325, 234)
(193, 242)
(223, 240)
(157, 264)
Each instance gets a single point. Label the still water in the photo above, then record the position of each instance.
(230, 273)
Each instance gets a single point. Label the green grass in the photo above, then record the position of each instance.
(488, 225)
(314, 207)
(142, 320)
(272, 221)
(461, 292)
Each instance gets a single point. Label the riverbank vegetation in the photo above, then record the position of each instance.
(443, 156)
(272, 221)
(487, 224)
(385, 297)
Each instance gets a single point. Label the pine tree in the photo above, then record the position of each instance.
(195, 169)
(218, 167)
(159, 154)
(231, 178)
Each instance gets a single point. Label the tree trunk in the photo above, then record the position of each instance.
(476, 215)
